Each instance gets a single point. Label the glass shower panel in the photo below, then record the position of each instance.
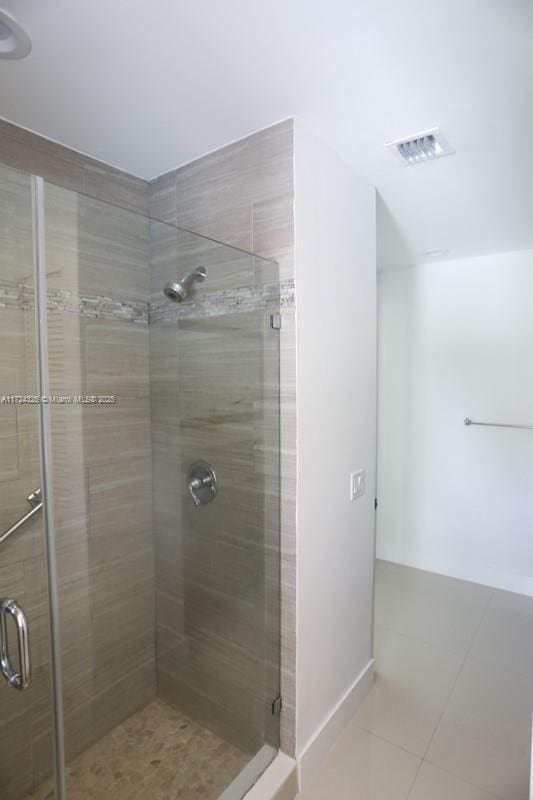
(214, 363)
(26, 751)
(97, 267)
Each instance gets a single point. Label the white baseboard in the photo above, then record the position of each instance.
(464, 571)
(315, 750)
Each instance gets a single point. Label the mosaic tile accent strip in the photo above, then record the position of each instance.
(230, 301)
(12, 295)
(287, 293)
(214, 304)
(21, 296)
(157, 753)
(98, 307)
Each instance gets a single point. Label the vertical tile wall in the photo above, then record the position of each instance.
(31, 153)
(97, 267)
(215, 380)
(243, 195)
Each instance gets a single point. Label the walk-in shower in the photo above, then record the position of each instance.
(149, 578)
(177, 291)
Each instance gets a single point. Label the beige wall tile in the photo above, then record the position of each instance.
(241, 195)
(113, 186)
(9, 465)
(34, 154)
(162, 200)
(37, 157)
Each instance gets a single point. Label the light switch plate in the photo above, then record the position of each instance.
(357, 484)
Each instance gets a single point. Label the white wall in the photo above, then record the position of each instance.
(456, 340)
(335, 278)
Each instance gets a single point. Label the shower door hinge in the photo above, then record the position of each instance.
(275, 321)
(277, 705)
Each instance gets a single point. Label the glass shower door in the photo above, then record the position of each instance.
(26, 737)
(214, 362)
(165, 480)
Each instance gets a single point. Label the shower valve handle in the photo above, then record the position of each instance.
(194, 485)
(201, 476)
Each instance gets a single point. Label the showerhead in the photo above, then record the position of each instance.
(179, 290)
(175, 291)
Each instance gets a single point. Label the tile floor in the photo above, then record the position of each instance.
(156, 754)
(449, 717)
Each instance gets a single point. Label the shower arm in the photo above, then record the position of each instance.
(197, 275)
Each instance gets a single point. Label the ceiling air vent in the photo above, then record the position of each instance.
(421, 147)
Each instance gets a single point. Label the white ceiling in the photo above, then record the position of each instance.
(147, 86)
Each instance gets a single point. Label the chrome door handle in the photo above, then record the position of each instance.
(17, 680)
(201, 476)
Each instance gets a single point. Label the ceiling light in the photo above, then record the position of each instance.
(14, 42)
(421, 147)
